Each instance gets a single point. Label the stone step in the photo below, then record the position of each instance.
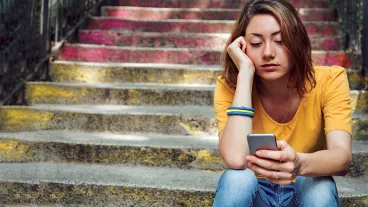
(215, 3)
(138, 94)
(183, 40)
(69, 71)
(98, 53)
(152, 13)
(179, 120)
(195, 26)
(98, 185)
(186, 152)
(169, 120)
(119, 94)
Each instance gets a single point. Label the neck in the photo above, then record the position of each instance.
(276, 89)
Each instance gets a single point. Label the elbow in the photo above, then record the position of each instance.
(233, 159)
(344, 172)
(346, 166)
(237, 163)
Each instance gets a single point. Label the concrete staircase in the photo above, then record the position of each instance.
(128, 119)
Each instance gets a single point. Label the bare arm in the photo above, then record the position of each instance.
(233, 145)
(333, 161)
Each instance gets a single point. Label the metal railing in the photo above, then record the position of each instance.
(365, 40)
(28, 30)
(18, 58)
(350, 14)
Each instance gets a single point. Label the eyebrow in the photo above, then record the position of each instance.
(259, 35)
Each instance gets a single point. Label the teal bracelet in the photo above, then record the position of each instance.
(240, 113)
(241, 108)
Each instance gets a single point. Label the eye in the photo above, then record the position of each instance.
(279, 42)
(255, 44)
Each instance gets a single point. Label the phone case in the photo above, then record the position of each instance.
(261, 141)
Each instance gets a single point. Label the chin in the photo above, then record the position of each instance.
(271, 76)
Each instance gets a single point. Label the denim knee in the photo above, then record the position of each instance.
(236, 188)
(317, 191)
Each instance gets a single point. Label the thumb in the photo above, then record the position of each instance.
(282, 145)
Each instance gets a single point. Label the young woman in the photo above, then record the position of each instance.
(268, 68)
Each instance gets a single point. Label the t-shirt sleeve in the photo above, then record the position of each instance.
(336, 101)
(223, 98)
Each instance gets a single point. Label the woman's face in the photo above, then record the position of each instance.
(265, 48)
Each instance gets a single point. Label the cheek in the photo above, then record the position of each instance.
(252, 54)
(283, 57)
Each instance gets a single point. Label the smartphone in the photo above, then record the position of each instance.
(261, 141)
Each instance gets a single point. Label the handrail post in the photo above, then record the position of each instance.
(365, 39)
(45, 28)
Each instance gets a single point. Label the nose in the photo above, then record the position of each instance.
(268, 51)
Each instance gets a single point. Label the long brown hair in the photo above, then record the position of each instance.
(294, 37)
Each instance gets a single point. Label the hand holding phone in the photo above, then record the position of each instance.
(261, 142)
(275, 174)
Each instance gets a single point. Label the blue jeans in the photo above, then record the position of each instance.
(242, 188)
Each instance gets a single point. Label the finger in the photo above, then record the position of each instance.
(237, 43)
(271, 174)
(281, 156)
(238, 40)
(271, 154)
(281, 145)
(271, 164)
(244, 44)
(280, 179)
(265, 163)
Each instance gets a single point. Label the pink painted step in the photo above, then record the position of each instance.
(182, 40)
(95, 53)
(150, 39)
(193, 26)
(149, 13)
(214, 3)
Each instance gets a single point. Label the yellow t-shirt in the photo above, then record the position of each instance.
(325, 108)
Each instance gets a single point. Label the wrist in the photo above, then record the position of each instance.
(245, 75)
(246, 67)
(303, 160)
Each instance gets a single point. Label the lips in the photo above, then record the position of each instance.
(269, 65)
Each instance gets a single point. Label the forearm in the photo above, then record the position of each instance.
(233, 143)
(325, 162)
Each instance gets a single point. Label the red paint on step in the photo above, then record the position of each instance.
(152, 14)
(331, 44)
(328, 58)
(163, 14)
(159, 26)
(213, 3)
(190, 26)
(199, 56)
(108, 54)
(152, 39)
(178, 40)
